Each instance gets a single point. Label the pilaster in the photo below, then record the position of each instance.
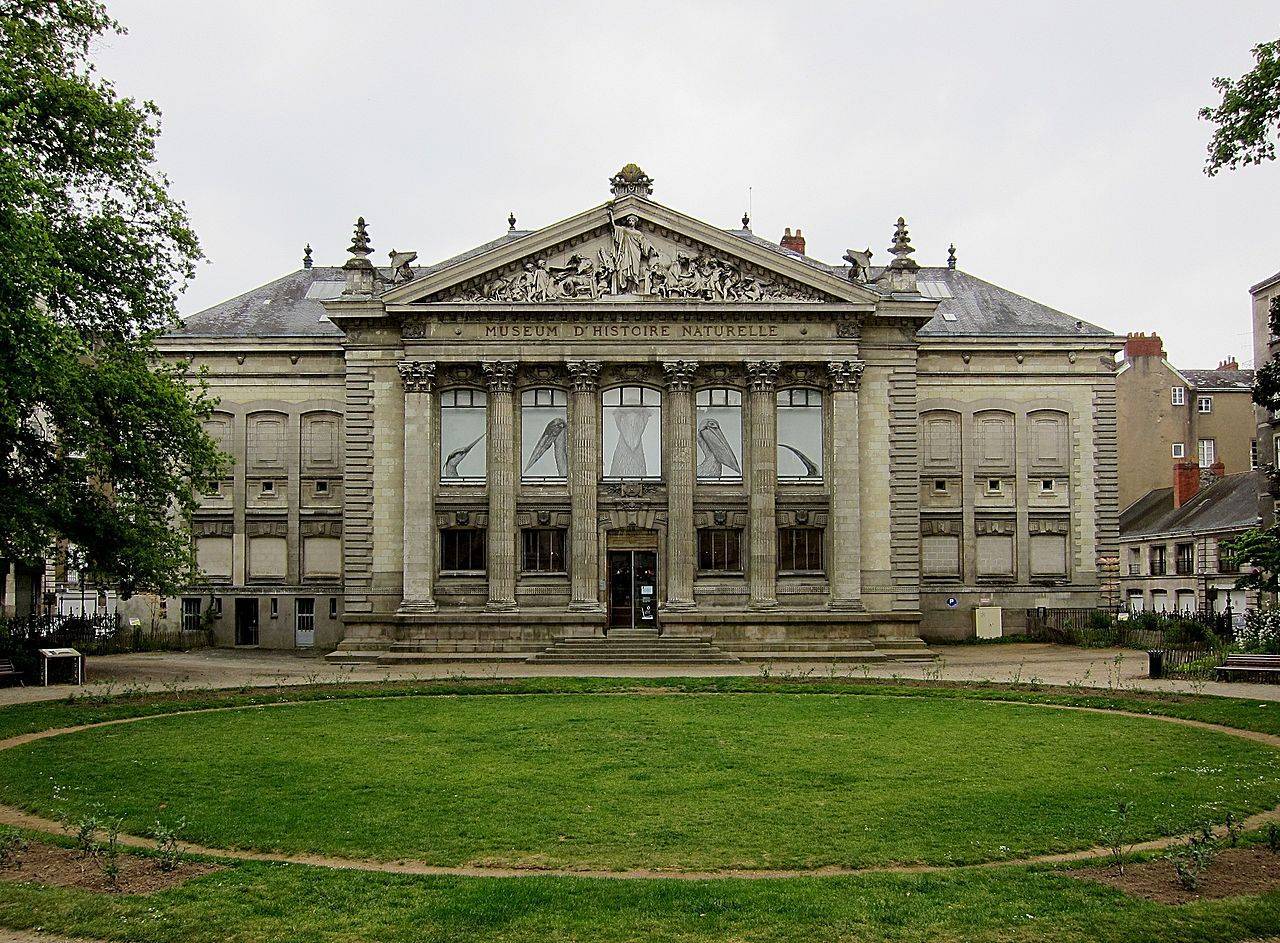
(501, 375)
(680, 477)
(845, 572)
(584, 464)
(418, 378)
(762, 417)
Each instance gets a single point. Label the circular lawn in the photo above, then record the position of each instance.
(695, 782)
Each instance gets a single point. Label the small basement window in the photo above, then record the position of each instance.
(268, 487)
(322, 487)
(1046, 484)
(994, 486)
(940, 485)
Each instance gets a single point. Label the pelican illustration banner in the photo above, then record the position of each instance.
(719, 443)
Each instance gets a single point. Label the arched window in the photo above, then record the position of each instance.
(800, 434)
(544, 435)
(719, 433)
(463, 452)
(632, 432)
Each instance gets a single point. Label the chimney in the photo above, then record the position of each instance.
(1140, 345)
(1229, 364)
(1212, 474)
(794, 243)
(1186, 482)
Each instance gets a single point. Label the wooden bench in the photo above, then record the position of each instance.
(8, 671)
(1265, 666)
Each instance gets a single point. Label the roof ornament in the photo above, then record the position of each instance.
(401, 266)
(859, 264)
(511, 222)
(360, 271)
(306, 256)
(631, 180)
(951, 256)
(746, 222)
(900, 276)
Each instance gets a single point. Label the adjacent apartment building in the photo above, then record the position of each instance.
(1168, 416)
(1265, 294)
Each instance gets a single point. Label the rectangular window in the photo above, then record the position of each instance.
(322, 487)
(1184, 559)
(940, 485)
(268, 487)
(1227, 562)
(333, 607)
(305, 615)
(800, 549)
(543, 550)
(1204, 404)
(1135, 562)
(1155, 558)
(720, 550)
(462, 550)
(1208, 453)
(1179, 396)
(1046, 484)
(1179, 450)
(993, 486)
(217, 607)
(1253, 454)
(190, 614)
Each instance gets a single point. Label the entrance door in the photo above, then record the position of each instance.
(246, 621)
(633, 588)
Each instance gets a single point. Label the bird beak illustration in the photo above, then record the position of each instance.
(810, 468)
(457, 455)
(553, 434)
(717, 446)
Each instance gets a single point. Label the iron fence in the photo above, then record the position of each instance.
(90, 635)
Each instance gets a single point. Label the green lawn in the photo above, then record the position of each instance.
(678, 781)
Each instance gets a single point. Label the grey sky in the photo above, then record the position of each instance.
(1056, 144)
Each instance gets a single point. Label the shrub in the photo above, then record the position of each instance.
(1193, 859)
(167, 847)
(1273, 838)
(12, 844)
(1260, 634)
(107, 854)
(1115, 834)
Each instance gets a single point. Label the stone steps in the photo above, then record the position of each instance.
(632, 647)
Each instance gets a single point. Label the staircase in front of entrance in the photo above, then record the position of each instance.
(638, 646)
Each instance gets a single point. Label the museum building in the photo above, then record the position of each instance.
(632, 422)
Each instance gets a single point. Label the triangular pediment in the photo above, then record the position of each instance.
(630, 250)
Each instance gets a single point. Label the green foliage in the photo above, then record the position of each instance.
(12, 844)
(1192, 859)
(1115, 834)
(168, 851)
(1260, 634)
(1248, 117)
(1273, 838)
(102, 440)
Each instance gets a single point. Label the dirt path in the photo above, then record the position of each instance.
(16, 817)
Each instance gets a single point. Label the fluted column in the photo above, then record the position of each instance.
(762, 416)
(680, 477)
(584, 474)
(845, 573)
(501, 375)
(420, 474)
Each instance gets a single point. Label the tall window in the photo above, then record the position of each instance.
(800, 435)
(305, 615)
(1227, 562)
(1156, 560)
(1208, 453)
(719, 423)
(632, 432)
(800, 549)
(1184, 559)
(462, 550)
(543, 550)
(720, 549)
(1253, 453)
(544, 435)
(463, 451)
(191, 614)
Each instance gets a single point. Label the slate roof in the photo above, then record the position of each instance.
(1219, 379)
(1228, 504)
(967, 306)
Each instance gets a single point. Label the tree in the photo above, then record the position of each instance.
(1248, 117)
(101, 440)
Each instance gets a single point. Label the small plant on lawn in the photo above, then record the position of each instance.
(1273, 838)
(12, 844)
(167, 848)
(1234, 828)
(86, 832)
(108, 854)
(1193, 859)
(1116, 833)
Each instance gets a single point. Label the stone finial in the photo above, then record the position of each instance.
(631, 179)
(746, 221)
(360, 240)
(360, 271)
(306, 256)
(951, 256)
(901, 247)
(511, 222)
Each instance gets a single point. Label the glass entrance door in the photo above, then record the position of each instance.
(633, 589)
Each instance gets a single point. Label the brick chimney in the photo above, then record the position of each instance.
(1211, 474)
(1229, 364)
(1186, 482)
(1140, 345)
(794, 243)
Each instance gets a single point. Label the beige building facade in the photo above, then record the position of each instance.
(633, 422)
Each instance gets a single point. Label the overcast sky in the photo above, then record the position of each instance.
(1056, 144)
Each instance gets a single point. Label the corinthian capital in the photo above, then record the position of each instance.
(501, 375)
(585, 374)
(679, 374)
(418, 376)
(763, 374)
(846, 375)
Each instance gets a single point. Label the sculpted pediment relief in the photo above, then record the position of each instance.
(628, 259)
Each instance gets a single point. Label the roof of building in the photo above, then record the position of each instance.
(291, 306)
(1221, 380)
(1231, 503)
(1265, 284)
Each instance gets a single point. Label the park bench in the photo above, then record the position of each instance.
(8, 671)
(1264, 666)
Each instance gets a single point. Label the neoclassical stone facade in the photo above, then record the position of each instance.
(633, 419)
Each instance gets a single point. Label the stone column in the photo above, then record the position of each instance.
(584, 474)
(680, 479)
(762, 417)
(845, 573)
(10, 590)
(501, 375)
(420, 474)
